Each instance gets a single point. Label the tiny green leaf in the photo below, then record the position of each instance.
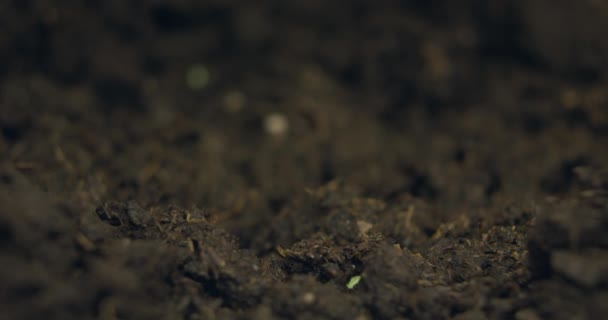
(197, 77)
(353, 281)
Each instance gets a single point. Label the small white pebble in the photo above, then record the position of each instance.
(276, 124)
(308, 298)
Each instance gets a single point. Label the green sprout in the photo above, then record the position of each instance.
(197, 77)
(353, 282)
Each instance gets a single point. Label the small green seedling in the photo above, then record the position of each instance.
(353, 282)
(197, 77)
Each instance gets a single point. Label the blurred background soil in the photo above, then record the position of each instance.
(304, 159)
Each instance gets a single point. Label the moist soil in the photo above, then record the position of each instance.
(304, 159)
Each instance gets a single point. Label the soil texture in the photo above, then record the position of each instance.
(304, 159)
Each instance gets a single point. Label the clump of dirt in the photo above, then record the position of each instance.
(385, 160)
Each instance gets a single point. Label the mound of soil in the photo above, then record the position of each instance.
(304, 159)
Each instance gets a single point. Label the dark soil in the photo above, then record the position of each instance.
(451, 156)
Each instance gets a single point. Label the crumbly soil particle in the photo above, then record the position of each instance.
(450, 156)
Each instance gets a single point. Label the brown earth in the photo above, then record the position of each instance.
(450, 156)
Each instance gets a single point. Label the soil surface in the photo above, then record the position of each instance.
(304, 159)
